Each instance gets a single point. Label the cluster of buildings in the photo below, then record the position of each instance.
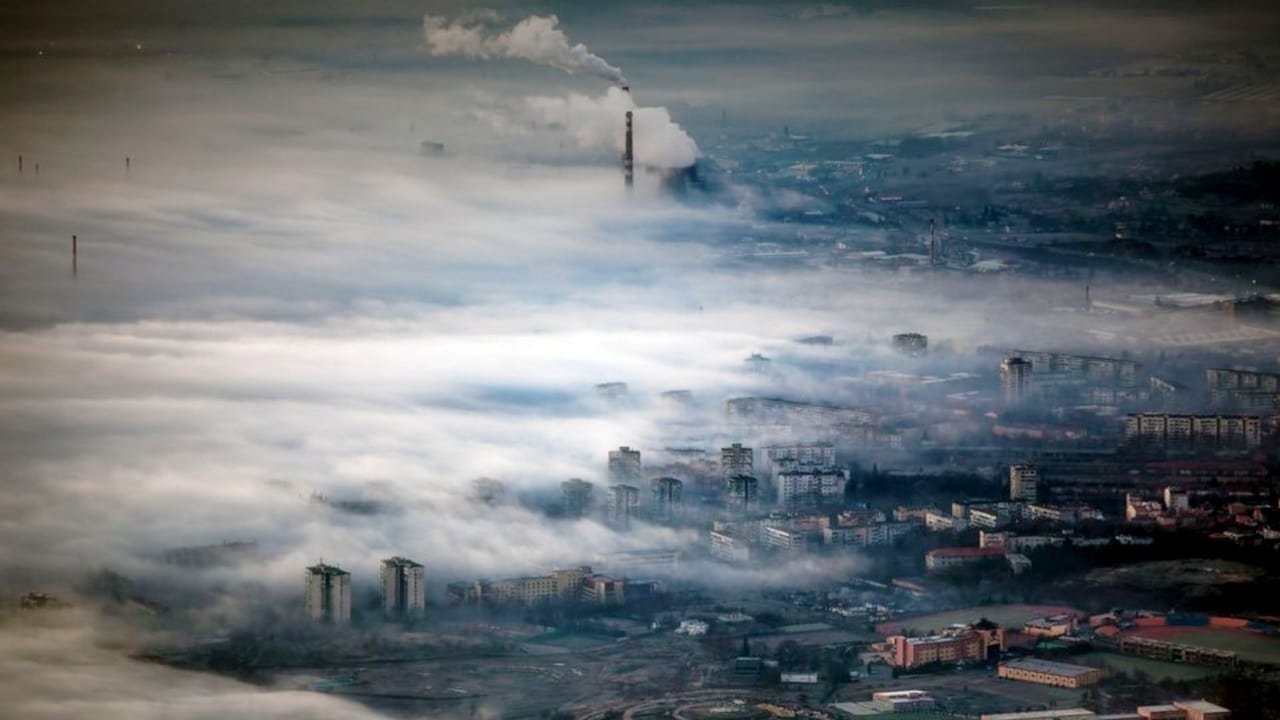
(328, 591)
(1193, 432)
(569, 585)
(1177, 710)
(1243, 389)
(1245, 523)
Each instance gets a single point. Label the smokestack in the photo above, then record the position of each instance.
(933, 244)
(1088, 303)
(19, 163)
(628, 156)
(74, 256)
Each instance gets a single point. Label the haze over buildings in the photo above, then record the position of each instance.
(908, 308)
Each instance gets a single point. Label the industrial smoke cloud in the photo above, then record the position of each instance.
(598, 123)
(537, 38)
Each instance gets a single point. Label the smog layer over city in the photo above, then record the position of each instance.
(640, 361)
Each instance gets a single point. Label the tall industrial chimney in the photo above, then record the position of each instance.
(933, 244)
(75, 257)
(628, 158)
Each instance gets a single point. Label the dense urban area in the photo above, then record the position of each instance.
(1037, 478)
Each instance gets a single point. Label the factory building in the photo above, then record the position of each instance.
(1015, 380)
(1044, 672)
(328, 597)
(575, 497)
(403, 587)
(1023, 483)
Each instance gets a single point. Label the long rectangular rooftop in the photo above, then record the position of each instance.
(1050, 667)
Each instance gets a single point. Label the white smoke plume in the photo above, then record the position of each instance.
(537, 38)
(598, 123)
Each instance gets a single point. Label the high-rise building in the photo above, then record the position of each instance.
(622, 505)
(1023, 481)
(1015, 379)
(912, 344)
(403, 587)
(624, 466)
(736, 460)
(328, 594)
(575, 496)
(743, 493)
(666, 503)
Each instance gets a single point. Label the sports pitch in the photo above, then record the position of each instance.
(1007, 616)
(1248, 645)
(1154, 669)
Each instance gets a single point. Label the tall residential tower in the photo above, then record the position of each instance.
(328, 594)
(403, 587)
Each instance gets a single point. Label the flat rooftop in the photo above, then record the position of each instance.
(1065, 714)
(1203, 706)
(1049, 667)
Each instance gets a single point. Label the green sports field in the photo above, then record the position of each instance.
(1008, 616)
(1154, 669)
(1251, 646)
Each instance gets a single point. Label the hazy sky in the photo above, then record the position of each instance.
(281, 295)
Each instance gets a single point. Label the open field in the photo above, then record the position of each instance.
(1009, 616)
(1249, 645)
(1154, 669)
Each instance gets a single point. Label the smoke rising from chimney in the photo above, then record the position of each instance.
(599, 122)
(537, 38)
